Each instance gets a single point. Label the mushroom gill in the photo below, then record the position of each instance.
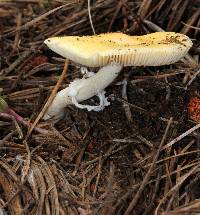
(154, 49)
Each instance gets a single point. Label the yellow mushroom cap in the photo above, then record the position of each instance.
(154, 49)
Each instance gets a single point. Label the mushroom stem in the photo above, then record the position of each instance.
(83, 89)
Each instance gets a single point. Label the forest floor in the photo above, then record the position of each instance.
(140, 155)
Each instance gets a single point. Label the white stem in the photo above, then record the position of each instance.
(57, 108)
(83, 89)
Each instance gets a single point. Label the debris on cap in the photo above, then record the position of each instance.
(153, 49)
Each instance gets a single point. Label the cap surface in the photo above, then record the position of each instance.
(154, 49)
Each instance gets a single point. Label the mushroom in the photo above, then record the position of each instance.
(111, 51)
